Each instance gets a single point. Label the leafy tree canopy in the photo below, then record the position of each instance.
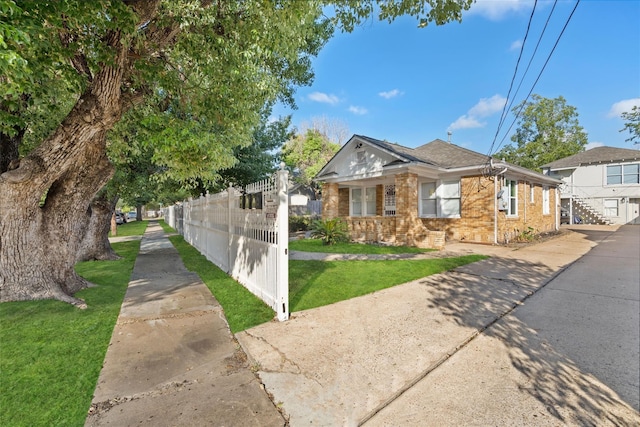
(632, 124)
(548, 130)
(305, 154)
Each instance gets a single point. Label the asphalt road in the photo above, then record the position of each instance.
(591, 311)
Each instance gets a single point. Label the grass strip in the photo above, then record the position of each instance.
(51, 353)
(317, 283)
(315, 245)
(131, 228)
(242, 309)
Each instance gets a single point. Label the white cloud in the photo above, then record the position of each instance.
(390, 94)
(498, 9)
(594, 144)
(623, 106)
(516, 45)
(484, 108)
(324, 98)
(358, 110)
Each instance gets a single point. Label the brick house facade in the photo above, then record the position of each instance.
(422, 197)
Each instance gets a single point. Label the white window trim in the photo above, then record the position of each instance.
(606, 208)
(363, 201)
(532, 193)
(545, 201)
(439, 199)
(621, 175)
(509, 198)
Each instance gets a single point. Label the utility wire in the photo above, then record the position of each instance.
(539, 75)
(513, 78)
(529, 64)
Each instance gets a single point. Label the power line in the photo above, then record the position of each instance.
(540, 73)
(513, 78)
(517, 114)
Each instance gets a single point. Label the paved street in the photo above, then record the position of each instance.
(591, 311)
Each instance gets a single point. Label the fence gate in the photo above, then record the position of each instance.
(245, 233)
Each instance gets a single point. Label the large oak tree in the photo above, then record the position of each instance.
(204, 68)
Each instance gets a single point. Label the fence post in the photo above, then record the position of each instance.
(230, 200)
(282, 215)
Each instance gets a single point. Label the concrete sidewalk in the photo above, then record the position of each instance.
(443, 350)
(172, 360)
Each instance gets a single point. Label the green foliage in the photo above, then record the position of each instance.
(259, 160)
(330, 231)
(548, 130)
(632, 124)
(52, 353)
(314, 245)
(299, 223)
(317, 283)
(527, 235)
(306, 154)
(349, 14)
(242, 309)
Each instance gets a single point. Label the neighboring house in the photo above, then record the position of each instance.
(302, 200)
(600, 186)
(392, 194)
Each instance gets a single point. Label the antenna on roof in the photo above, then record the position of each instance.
(449, 136)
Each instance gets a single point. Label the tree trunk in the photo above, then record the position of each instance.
(95, 245)
(45, 200)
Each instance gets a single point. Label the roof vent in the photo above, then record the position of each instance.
(449, 136)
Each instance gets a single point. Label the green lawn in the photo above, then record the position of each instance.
(315, 245)
(317, 283)
(132, 228)
(51, 353)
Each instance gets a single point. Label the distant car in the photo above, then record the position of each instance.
(132, 215)
(120, 218)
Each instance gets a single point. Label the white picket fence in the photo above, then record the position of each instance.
(245, 233)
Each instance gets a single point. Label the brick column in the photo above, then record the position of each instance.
(406, 207)
(330, 200)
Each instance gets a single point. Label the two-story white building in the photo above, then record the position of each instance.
(601, 186)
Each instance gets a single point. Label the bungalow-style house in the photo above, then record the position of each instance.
(600, 186)
(396, 195)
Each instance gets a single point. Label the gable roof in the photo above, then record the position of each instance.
(594, 156)
(437, 154)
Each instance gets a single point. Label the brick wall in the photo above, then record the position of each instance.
(476, 223)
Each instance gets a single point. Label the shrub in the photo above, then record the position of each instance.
(331, 231)
(299, 223)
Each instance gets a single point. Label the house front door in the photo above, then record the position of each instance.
(633, 211)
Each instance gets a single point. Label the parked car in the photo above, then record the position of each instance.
(132, 215)
(120, 218)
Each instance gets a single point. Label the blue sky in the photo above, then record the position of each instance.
(408, 85)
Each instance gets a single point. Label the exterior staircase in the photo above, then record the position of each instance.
(587, 214)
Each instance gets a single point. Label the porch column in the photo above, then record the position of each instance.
(406, 207)
(330, 200)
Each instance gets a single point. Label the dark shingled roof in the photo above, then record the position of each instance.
(595, 155)
(436, 153)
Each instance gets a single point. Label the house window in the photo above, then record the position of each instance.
(363, 201)
(450, 199)
(631, 174)
(512, 195)
(532, 193)
(614, 175)
(610, 207)
(428, 201)
(623, 174)
(361, 157)
(545, 200)
(441, 201)
(390, 200)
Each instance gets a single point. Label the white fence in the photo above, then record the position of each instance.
(245, 233)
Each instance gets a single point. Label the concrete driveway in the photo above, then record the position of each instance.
(444, 350)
